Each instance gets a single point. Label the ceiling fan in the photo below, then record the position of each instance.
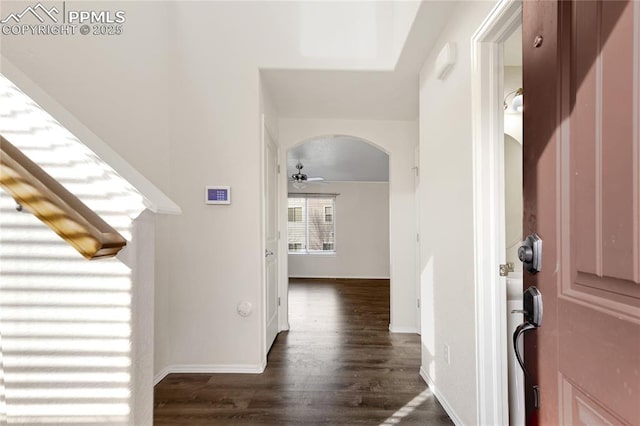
(299, 179)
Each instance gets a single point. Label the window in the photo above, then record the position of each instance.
(311, 227)
(328, 214)
(295, 214)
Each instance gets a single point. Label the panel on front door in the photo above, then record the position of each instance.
(582, 196)
(599, 306)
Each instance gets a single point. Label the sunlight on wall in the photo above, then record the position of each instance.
(65, 339)
(45, 141)
(428, 300)
(3, 405)
(65, 322)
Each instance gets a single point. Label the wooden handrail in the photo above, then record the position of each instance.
(54, 205)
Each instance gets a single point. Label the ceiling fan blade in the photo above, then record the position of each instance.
(315, 179)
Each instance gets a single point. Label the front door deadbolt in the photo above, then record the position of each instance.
(530, 253)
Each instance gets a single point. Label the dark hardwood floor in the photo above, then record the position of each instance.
(337, 365)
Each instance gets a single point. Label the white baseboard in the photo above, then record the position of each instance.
(161, 375)
(208, 369)
(441, 399)
(326, 277)
(285, 327)
(401, 329)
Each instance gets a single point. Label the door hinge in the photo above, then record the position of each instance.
(278, 235)
(417, 169)
(505, 268)
(278, 168)
(418, 303)
(536, 397)
(417, 238)
(278, 300)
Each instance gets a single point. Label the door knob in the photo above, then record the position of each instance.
(267, 253)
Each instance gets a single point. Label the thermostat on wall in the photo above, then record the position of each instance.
(217, 195)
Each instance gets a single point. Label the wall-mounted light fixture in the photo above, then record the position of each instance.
(37, 192)
(516, 103)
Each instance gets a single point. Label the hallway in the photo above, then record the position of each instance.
(338, 365)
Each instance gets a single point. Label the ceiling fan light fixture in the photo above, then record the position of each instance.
(299, 179)
(299, 176)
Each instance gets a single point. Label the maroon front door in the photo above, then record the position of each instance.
(582, 196)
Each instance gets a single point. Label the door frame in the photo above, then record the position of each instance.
(488, 209)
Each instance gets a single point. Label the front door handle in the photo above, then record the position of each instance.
(532, 310)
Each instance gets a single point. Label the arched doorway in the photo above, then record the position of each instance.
(337, 211)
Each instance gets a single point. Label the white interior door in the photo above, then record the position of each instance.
(271, 237)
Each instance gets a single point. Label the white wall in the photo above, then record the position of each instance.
(142, 262)
(361, 233)
(177, 96)
(398, 139)
(446, 220)
(116, 86)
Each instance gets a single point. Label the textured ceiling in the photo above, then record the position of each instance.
(340, 158)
